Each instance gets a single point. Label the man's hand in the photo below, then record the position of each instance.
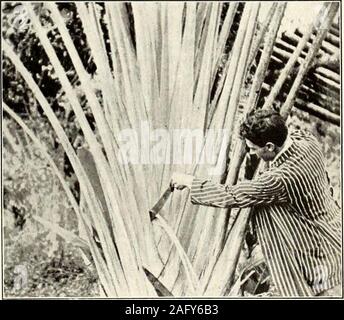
(180, 180)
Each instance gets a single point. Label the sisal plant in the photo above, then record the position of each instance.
(167, 66)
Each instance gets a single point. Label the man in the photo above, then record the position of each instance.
(297, 221)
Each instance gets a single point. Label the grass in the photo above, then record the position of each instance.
(54, 267)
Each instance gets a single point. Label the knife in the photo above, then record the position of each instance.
(160, 203)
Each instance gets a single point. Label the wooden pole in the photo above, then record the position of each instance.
(286, 108)
(317, 111)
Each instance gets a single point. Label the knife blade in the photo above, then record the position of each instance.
(160, 203)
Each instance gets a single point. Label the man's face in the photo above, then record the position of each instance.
(267, 153)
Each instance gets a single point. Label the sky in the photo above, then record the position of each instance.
(298, 14)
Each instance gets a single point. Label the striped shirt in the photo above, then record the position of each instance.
(297, 220)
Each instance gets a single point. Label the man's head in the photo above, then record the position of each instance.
(265, 132)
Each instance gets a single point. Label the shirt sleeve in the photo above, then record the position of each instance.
(265, 189)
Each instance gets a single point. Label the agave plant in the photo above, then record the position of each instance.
(168, 66)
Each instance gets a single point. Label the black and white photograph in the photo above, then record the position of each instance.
(171, 150)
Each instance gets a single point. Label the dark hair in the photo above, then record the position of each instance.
(262, 126)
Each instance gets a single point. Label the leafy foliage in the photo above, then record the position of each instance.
(54, 268)
(62, 274)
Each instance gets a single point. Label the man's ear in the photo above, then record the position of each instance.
(270, 147)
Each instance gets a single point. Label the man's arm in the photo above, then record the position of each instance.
(266, 189)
